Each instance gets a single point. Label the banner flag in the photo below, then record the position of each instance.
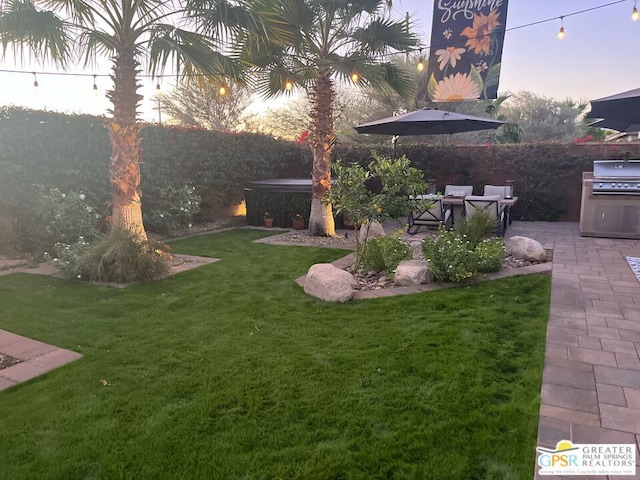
(466, 49)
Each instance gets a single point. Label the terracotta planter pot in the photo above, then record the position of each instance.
(298, 223)
(268, 222)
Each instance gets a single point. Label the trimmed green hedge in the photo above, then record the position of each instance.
(41, 149)
(71, 152)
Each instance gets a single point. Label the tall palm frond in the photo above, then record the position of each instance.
(32, 30)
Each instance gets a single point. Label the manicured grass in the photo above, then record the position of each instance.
(230, 371)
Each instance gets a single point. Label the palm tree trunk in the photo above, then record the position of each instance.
(124, 132)
(321, 221)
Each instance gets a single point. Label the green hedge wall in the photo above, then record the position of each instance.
(72, 152)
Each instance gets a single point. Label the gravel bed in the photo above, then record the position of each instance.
(7, 361)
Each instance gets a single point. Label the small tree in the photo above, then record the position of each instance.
(387, 188)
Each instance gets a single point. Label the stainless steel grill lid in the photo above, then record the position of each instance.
(616, 176)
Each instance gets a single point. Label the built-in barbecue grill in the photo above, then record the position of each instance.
(610, 205)
(621, 177)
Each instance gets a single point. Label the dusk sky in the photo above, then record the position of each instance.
(598, 57)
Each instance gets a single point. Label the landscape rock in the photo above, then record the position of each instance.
(375, 231)
(329, 283)
(413, 272)
(525, 248)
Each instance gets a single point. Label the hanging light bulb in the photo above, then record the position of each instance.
(355, 76)
(420, 65)
(561, 32)
(222, 90)
(35, 80)
(158, 86)
(95, 86)
(634, 14)
(288, 84)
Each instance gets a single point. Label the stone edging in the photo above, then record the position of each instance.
(36, 358)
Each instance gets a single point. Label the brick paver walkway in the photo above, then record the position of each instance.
(591, 380)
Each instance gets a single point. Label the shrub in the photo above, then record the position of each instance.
(476, 228)
(117, 257)
(490, 255)
(53, 216)
(450, 256)
(384, 254)
(172, 208)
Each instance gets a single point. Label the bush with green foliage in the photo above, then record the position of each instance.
(174, 208)
(384, 254)
(476, 228)
(119, 257)
(451, 257)
(53, 216)
(491, 255)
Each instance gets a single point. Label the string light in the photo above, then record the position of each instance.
(158, 86)
(35, 80)
(288, 84)
(355, 76)
(420, 66)
(222, 90)
(95, 86)
(634, 14)
(561, 32)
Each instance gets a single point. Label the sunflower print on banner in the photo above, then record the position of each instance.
(466, 49)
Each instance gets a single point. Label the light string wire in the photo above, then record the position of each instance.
(404, 52)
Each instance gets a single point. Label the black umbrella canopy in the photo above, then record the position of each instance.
(619, 125)
(621, 107)
(428, 122)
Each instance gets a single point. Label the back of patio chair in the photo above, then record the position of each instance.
(489, 203)
(432, 217)
(458, 190)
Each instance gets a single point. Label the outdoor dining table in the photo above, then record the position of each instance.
(457, 207)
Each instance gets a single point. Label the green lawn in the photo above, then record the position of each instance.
(230, 371)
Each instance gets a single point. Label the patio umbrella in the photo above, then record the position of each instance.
(622, 107)
(619, 125)
(428, 122)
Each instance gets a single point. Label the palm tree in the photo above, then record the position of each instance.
(127, 31)
(330, 41)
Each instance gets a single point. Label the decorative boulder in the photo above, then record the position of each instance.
(525, 248)
(413, 272)
(329, 283)
(375, 231)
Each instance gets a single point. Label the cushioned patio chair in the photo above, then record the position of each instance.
(489, 203)
(432, 217)
(496, 190)
(458, 190)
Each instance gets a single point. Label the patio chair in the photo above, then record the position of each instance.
(458, 190)
(496, 190)
(489, 203)
(432, 217)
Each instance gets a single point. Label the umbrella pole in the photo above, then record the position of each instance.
(394, 142)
